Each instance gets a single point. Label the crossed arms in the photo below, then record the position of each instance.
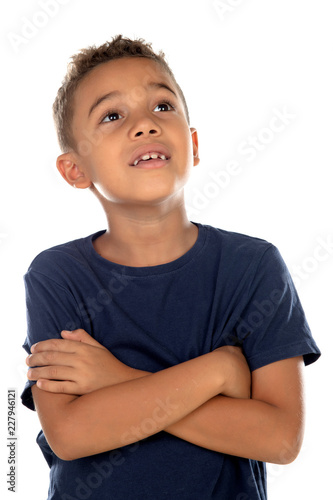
(89, 402)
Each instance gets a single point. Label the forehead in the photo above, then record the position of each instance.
(123, 75)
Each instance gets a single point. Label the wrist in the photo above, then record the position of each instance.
(236, 375)
(221, 370)
(134, 373)
(131, 374)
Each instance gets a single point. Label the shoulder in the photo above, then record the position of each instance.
(238, 247)
(55, 261)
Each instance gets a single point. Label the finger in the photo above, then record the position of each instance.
(63, 387)
(48, 358)
(80, 335)
(59, 345)
(51, 373)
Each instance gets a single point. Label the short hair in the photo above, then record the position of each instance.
(86, 60)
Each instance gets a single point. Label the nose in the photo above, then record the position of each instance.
(145, 126)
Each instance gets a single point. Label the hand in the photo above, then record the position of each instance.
(76, 366)
(237, 373)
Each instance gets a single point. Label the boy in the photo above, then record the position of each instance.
(147, 332)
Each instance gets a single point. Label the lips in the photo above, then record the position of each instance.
(149, 153)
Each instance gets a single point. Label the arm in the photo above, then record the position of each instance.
(121, 414)
(269, 427)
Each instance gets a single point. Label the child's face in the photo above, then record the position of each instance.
(124, 109)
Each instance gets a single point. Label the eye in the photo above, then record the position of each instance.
(111, 116)
(164, 106)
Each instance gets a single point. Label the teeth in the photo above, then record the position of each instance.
(148, 156)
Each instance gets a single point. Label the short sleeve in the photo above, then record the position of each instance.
(50, 308)
(272, 325)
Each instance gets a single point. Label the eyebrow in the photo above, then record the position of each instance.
(105, 97)
(160, 85)
(117, 93)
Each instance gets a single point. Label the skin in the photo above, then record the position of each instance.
(145, 210)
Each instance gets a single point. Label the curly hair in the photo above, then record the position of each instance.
(82, 63)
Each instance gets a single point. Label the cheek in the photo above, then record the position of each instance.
(187, 149)
(98, 164)
(185, 142)
(88, 139)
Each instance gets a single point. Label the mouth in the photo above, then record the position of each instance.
(150, 156)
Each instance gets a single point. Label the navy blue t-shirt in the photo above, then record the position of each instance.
(228, 289)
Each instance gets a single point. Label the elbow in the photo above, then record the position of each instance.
(68, 448)
(69, 445)
(289, 448)
(62, 443)
(63, 450)
(63, 454)
(288, 437)
(59, 422)
(289, 452)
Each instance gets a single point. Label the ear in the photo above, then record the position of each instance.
(71, 172)
(195, 144)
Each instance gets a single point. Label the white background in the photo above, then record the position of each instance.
(235, 67)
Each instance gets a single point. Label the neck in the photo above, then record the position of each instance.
(146, 236)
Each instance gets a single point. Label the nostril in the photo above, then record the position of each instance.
(152, 131)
